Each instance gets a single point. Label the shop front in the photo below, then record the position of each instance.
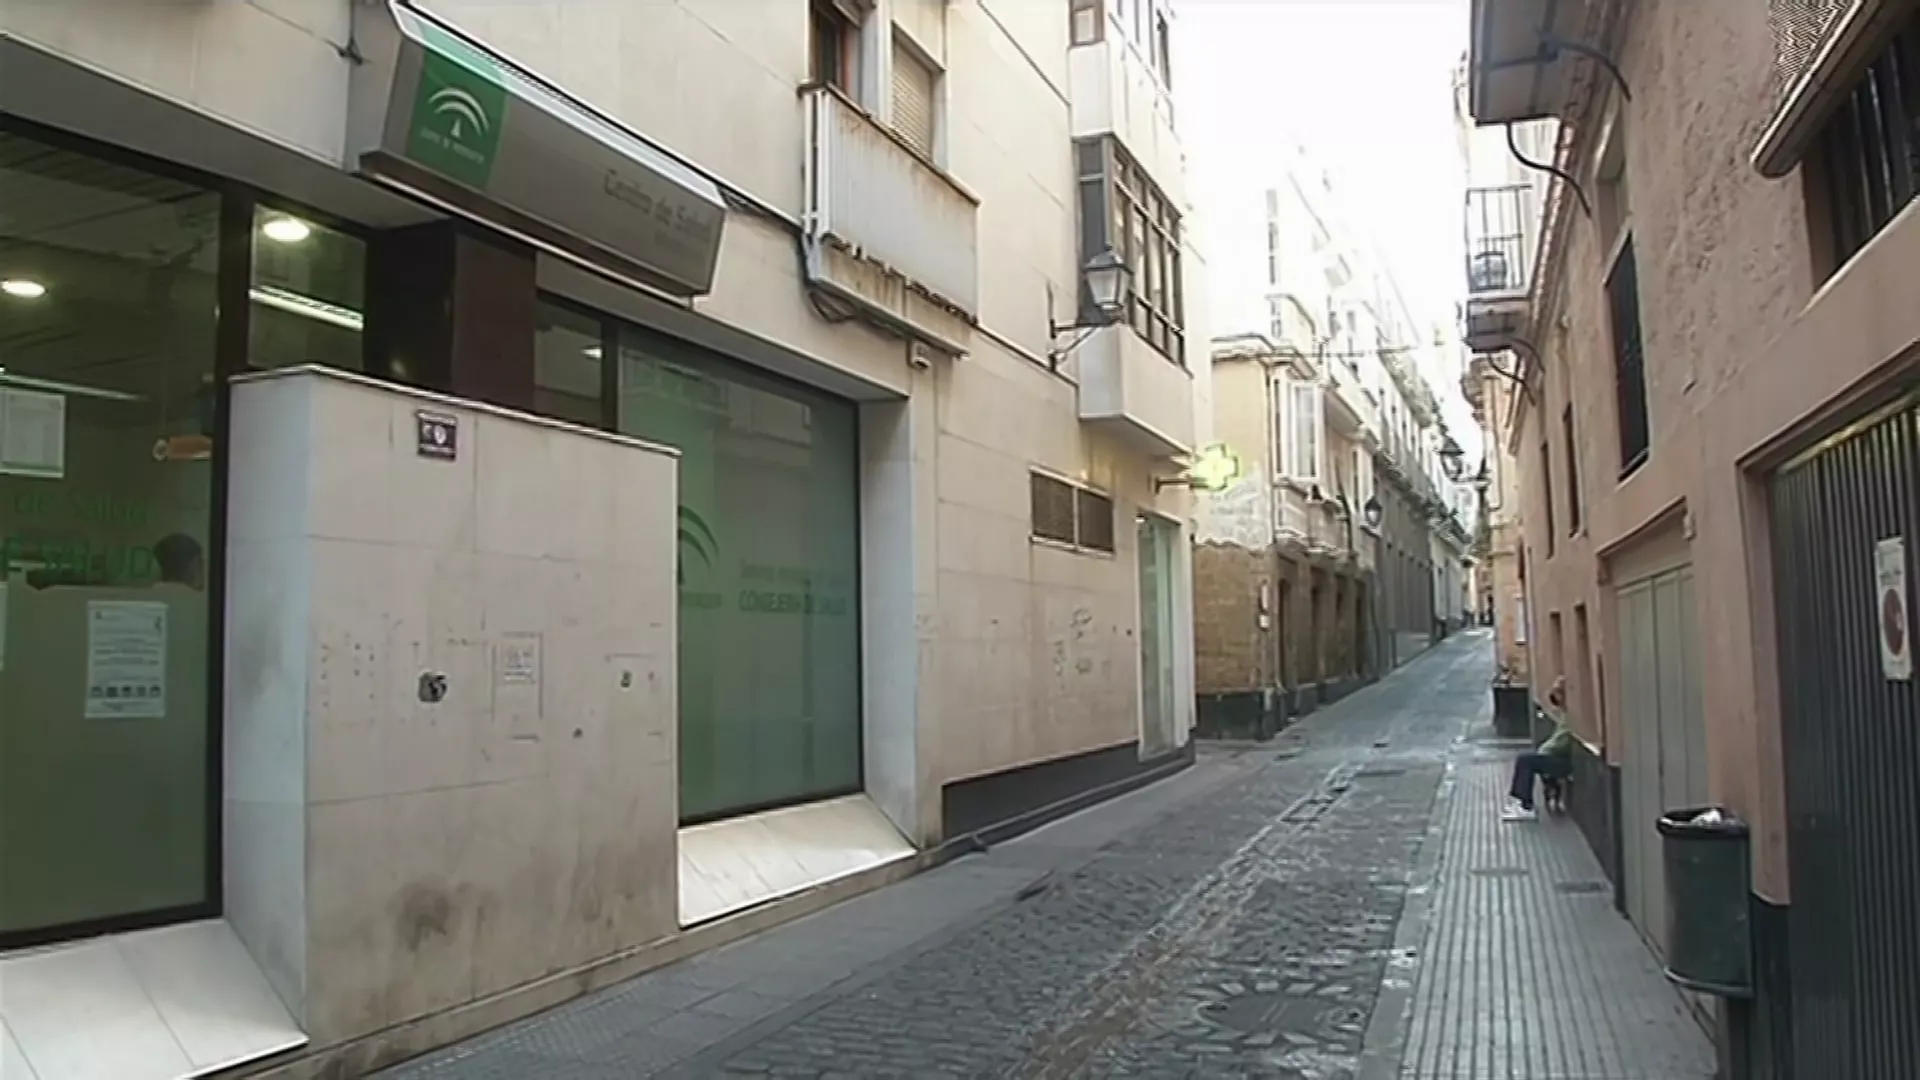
(147, 301)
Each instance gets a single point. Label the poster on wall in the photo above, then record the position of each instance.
(126, 660)
(1896, 637)
(33, 433)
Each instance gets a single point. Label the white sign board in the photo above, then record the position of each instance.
(517, 659)
(126, 660)
(33, 433)
(1890, 608)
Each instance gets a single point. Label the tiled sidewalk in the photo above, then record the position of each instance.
(1524, 970)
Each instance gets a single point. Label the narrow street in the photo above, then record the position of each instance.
(1340, 903)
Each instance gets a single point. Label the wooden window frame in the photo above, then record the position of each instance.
(845, 49)
(1086, 22)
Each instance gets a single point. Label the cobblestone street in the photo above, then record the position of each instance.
(1242, 920)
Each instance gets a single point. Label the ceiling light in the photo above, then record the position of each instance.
(591, 352)
(23, 288)
(286, 230)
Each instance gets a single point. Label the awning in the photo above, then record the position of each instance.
(436, 113)
(1514, 76)
(1827, 79)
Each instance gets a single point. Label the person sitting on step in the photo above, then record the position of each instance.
(1551, 762)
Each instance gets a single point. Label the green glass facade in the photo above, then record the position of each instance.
(768, 572)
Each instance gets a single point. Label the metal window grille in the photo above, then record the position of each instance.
(1052, 508)
(1869, 152)
(1094, 519)
(1629, 361)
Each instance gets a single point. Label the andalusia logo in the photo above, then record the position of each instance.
(458, 112)
(461, 111)
(695, 538)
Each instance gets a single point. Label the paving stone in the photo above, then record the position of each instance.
(1518, 978)
(1243, 922)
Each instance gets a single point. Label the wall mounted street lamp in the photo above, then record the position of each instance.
(1109, 284)
(1374, 512)
(1453, 461)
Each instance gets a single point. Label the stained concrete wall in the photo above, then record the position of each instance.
(390, 855)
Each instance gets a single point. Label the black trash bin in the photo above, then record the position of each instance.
(1709, 944)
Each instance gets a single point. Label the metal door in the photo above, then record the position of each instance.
(1640, 758)
(1851, 752)
(1664, 759)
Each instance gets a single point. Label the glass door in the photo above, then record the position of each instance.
(107, 762)
(1157, 537)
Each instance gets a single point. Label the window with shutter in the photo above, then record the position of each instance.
(913, 81)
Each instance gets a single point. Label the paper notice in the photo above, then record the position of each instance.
(1896, 636)
(517, 659)
(33, 433)
(126, 660)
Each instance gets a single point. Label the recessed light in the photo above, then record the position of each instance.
(591, 352)
(286, 230)
(23, 288)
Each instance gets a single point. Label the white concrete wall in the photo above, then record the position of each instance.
(387, 857)
(1115, 90)
(272, 67)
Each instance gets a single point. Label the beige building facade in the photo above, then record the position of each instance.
(354, 342)
(1718, 471)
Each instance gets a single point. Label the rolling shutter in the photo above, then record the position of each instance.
(913, 99)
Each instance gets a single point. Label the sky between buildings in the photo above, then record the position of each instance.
(1367, 87)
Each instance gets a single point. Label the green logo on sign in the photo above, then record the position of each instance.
(457, 115)
(695, 536)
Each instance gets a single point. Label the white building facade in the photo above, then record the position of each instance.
(1312, 576)
(521, 492)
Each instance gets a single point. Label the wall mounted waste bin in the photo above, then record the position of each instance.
(1706, 851)
(1512, 711)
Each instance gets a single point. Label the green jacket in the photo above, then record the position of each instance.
(1560, 743)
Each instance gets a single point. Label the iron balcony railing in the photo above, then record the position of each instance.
(1497, 240)
(1870, 151)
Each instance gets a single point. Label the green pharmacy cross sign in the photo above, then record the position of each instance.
(1215, 468)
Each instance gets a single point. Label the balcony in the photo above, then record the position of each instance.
(1519, 71)
(1114, 91)
(886, 230)
(1129, 388)
(1343, 398)
(1499, 277)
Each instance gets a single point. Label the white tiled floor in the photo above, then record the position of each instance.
(726, 866)
(165, 1004)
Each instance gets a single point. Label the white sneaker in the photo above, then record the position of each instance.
(1511, 810)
